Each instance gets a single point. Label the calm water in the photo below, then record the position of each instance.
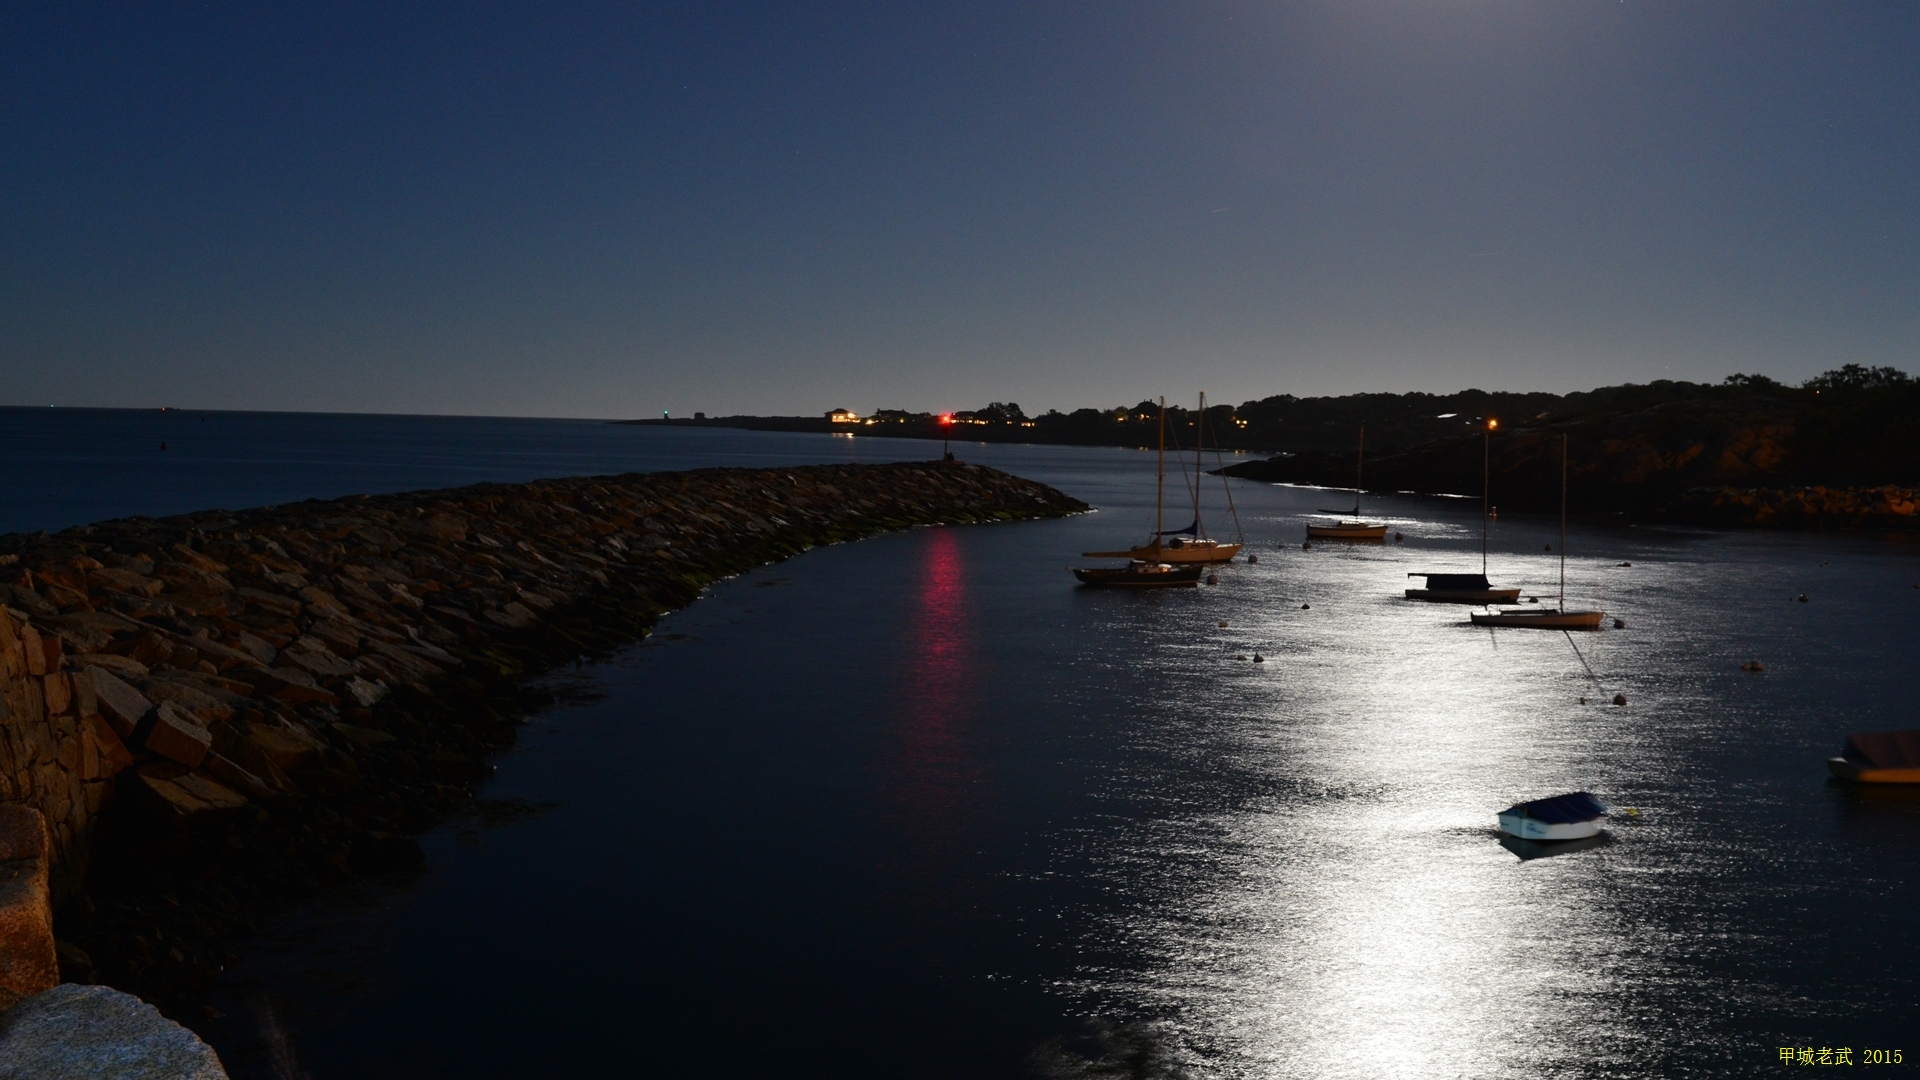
(918, 807)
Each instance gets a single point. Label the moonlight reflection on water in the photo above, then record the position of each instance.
(920, 806)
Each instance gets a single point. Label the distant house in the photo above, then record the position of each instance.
(843, 416)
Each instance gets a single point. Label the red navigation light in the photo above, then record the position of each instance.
(946, 418)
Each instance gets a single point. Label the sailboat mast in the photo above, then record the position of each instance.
(1199, 466)
(1359, 470)
(1563, 521)
(1486, 490)
(1160, 484)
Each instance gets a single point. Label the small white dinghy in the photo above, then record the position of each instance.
(1574, 816)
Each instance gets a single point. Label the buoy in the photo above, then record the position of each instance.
(1633, 811)
(1549, 547)
(1213, 579)
(1258, 659)
(1304, 607)
(1306, 546)
(1619, 699)
(1626, 564)
(1583, 701)
(1223, 626)
(1399, 536)
(1619, 624)
(1753, 665)
(1803, 598)
(1253, 558)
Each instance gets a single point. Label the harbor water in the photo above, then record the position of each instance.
(920, 806)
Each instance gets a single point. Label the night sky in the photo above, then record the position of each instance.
(577, 210)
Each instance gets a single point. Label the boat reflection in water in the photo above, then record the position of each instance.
(1527, 850)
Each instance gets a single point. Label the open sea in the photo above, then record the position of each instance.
(920, 807)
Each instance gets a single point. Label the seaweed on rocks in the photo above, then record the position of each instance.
(267, 704)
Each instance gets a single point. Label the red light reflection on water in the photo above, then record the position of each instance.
(931, 771)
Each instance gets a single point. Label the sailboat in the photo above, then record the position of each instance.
(1559, 618)
(1471, 588)
(1342, 529)
(1178, 546)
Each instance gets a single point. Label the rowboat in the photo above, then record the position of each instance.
(1880, 757)
(1461, 589)
(1140, 575)
(1572, 816)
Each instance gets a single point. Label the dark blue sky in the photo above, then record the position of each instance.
(566, 209)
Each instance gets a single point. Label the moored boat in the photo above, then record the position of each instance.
(1573, 816)
(1471, 588)
(1180, 549)
(1139, 574)
(1461, 589)
(1558, 617)
(1190, 545)
(1339, 528)
(1546, 619)
(1347, 530)
(1879, 757)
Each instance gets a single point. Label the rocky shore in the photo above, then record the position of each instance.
(220, 713)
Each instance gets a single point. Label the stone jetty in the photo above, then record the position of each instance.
(218, 713)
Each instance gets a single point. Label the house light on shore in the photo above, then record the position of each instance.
(843, 416)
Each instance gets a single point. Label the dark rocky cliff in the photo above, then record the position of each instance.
(1733, 455)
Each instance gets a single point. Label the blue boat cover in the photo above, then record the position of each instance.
(1455, 582)
(1562, 809)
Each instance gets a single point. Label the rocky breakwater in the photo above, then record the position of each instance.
(220, 712)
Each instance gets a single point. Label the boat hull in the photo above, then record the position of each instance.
(1867, 774)
(1172, 577)
(1347, 530)
(1541, 620)
(1529, 828)
(1465, 596)
(1195, 552)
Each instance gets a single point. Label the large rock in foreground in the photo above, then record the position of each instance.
(74, 1032)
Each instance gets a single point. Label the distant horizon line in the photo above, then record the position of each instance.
(717, 414)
